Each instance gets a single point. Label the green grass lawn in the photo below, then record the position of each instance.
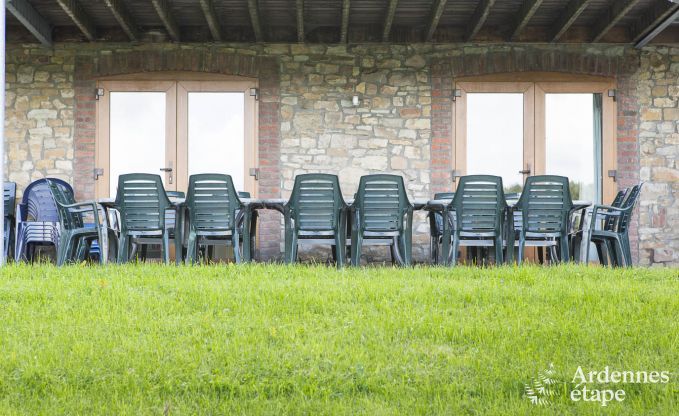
(264, 339)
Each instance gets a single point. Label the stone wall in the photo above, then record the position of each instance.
(307, 122)
(658, 95)
(39, 116)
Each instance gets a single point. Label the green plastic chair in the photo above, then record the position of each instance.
(545, 206)
(603, 247)
(213, 207)
(316, 213)
(142, 203)
(382, 215)
(436, 227)
(614, 231)
(170, 224)
(479, 210)
(75, 237)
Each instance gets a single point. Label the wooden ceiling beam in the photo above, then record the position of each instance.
(123, 17)
(299, 6)
(211, 18)
(568, 17)
(32, 20)
(344, 31)
(253, 8)
(528, 9)
(611, 17)
(478, 19)
(436, 12)
(75, 11)
(163, 10)
(660, 15)
(389, 19)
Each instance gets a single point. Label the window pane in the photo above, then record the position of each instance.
(217, 134)
(570, 141)
(495, 137)
(137, 134)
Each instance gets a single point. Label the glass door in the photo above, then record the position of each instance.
(175, 129)
(136, 133)
(215, 131)
(494, 131)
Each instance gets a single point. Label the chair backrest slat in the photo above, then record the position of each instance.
(315, 200)
(212, 202)
(382, 201)
(545, 204)
(479, 203)
(142, 202)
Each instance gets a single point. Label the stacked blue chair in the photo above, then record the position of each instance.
(10, 193)
(37, 218)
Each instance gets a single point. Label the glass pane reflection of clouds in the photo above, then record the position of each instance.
(495, 137)
(570, 141)
(217, 134)
(137, 134)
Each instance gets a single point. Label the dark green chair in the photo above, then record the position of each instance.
(213, 207)
(142, 203)
(170, 223)
(436, 227)
(382, 215)
(479, 210)
(603, 248)
(610, 229)
(545, 206)
(316, 214)
(75, 235)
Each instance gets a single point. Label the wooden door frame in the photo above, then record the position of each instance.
(250, 125)
(102, 147)
(459, 157)
(608, 126)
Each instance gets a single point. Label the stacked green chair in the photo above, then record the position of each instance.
(610, 229)
(10, 193)
(316, 213)
(608, 223)
(382, 215)
(75, 236)
(545, 206)
(213, 207)
(436, 227)
(479, 206)
(142, 203)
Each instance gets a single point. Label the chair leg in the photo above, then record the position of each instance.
(191, 248)
(499, 258)
(565, 251)
(456, 248)
(522, 249)
(235, 239)
(123, 248)
(626, 250)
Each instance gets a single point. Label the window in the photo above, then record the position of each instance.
(518, 128)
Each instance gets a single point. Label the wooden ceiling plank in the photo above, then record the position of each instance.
(75, 11)
(479, 18)
(211, 18)
(436, 13)
(32, 20)
(654, 21)
(568, 17)
(528, 9)
(611, 17)
(300, 20)
(123, 17)
(344, 31)
(163, 10)
(253, 8)
(389, 19)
